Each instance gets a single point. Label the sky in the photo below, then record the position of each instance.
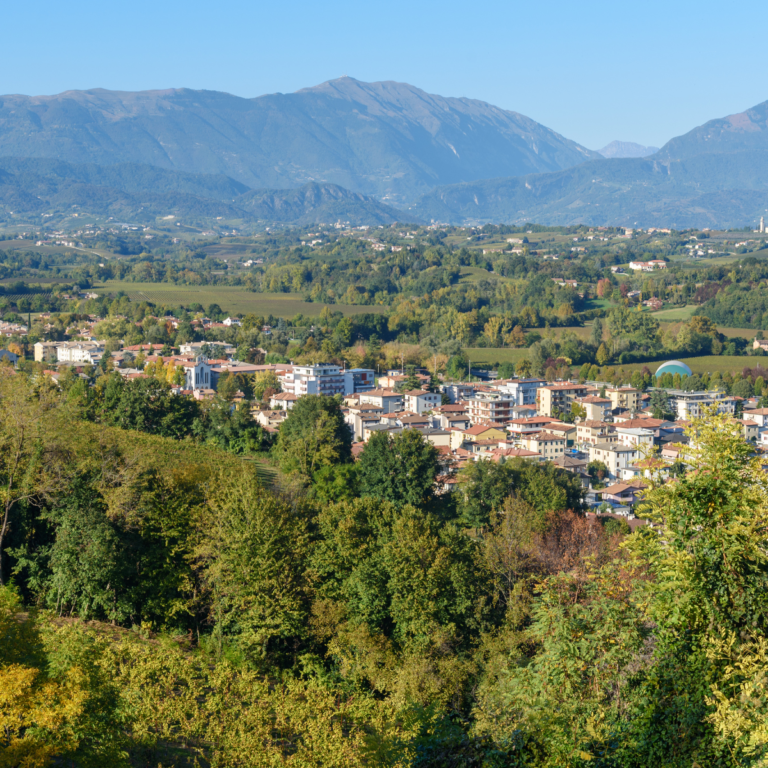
(593, 71)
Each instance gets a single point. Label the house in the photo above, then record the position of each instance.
(9, 357)
(421, 401)
(458, 392)
(624, 493)
(478, 432)
(283, 401)
(615, 457)
(360, 416)
(751, 429)
(269, 418)
(653, 304)
(758, 415)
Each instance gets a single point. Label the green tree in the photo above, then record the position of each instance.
(400, 469)
(313, 435)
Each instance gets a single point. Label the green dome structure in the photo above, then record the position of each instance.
(673, 367)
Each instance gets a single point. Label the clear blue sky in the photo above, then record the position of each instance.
(593, 71)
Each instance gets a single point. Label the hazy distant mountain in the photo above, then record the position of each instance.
(388, 139)
(626, 149)
(31, 187)
(713, 176)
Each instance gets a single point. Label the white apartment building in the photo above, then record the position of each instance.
(691, 405)
(89, 352)
(420, 401)
(387, 399)
(326, 379)
(616, 457)
(636, 437)
(490, 407)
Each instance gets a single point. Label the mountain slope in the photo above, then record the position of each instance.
(31, 187)
(714, 176)
(388, 139)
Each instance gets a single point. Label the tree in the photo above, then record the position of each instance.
(603, 355)
(743, 388)
(263, 381)
(400, 469)
(27, 431)
(597, 470)
(263, 608)
(659, 405)
(313, 435)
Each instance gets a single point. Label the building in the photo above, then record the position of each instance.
(636, 437)
(282, 401)
(523, 391)
(419, 401)
(197, 374)
(387, 399)
(623, 493)
(759, 416)
(326, 379)
(45, 351)
(476, 433)
(457, 392)
(547, 444)
(615, 457)
(592, 432)
(624, 397)
(530, 424)
(596, 408)
(568, 431)
(7, 356)
(490, 408)
(89, 352)
(558, 397)
(691, 405)
(673, 367)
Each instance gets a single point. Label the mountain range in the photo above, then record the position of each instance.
(368, 152)
(713, 176)
(386, 139)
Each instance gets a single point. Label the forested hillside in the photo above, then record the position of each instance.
(165, 602)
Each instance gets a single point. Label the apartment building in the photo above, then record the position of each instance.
(591, 432)
(636, 437)
(558, 396)
(45, 351)
(490, 407)
(596, 408)
(616, 457)
(419, 401)
(89, 352)
(523, 391)
(547, 444)
(691, 405)
(387, 399)
(624, 397)
(326, 379)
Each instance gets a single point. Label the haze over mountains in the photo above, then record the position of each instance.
(458, 160)
(626, 149)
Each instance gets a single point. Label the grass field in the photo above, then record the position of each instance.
(494, 355)
(679, 313)
(230, 298)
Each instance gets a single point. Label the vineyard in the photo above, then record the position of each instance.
(230, 298)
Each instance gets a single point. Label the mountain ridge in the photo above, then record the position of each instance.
(387, 139)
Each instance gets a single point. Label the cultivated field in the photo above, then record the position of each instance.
(229, 298)
(494, 355)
